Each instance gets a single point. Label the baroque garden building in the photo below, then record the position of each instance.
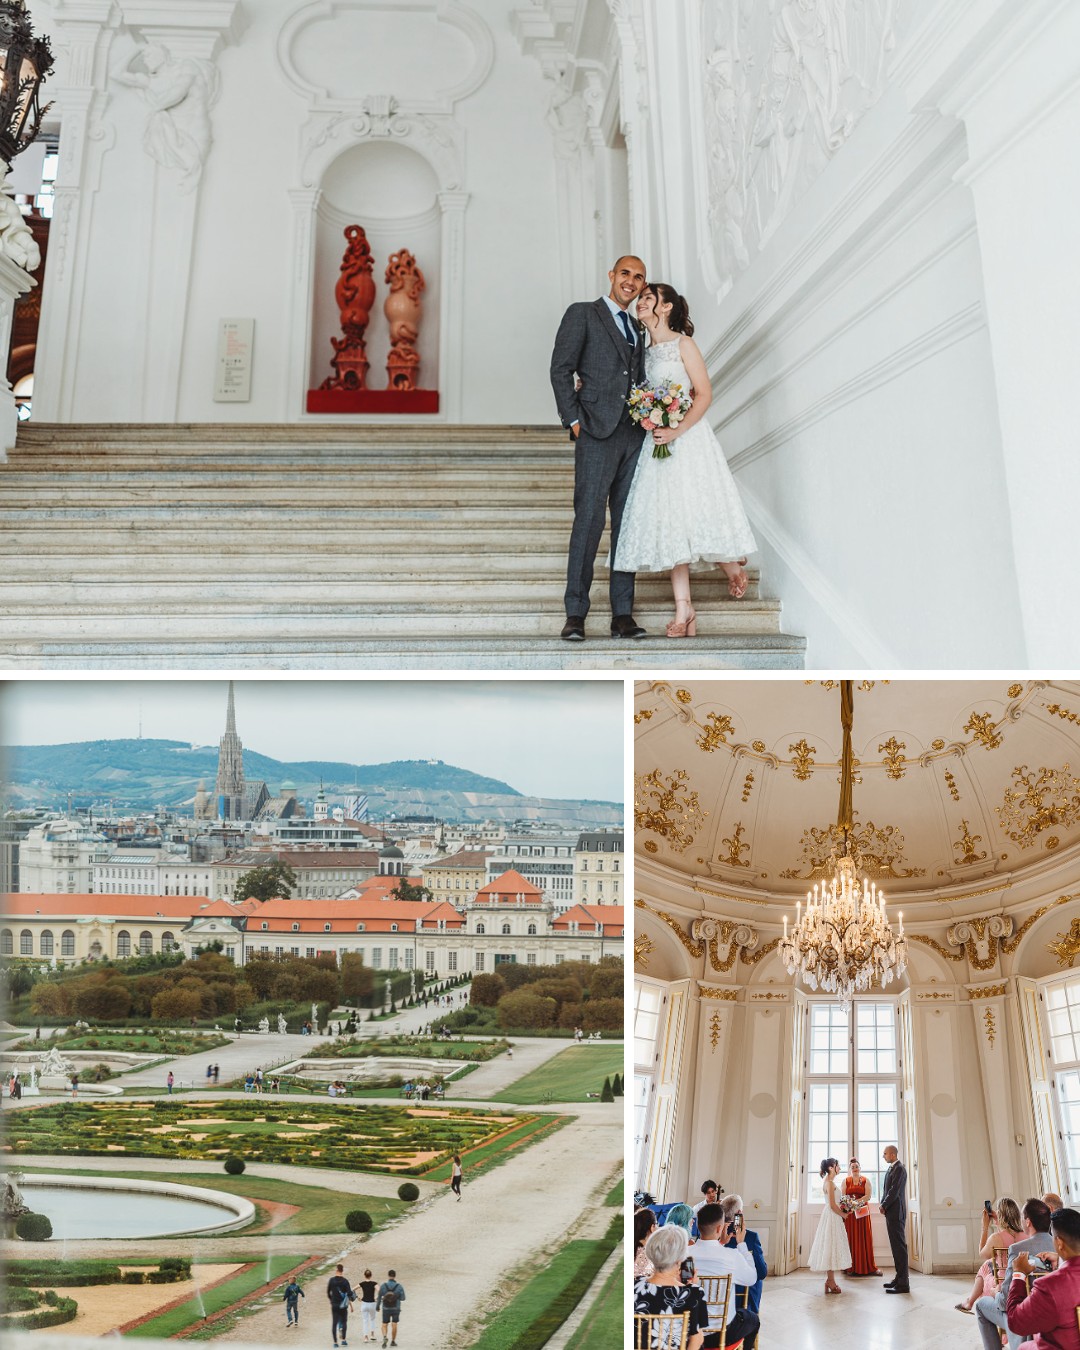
(970, 1062)
(865, 205)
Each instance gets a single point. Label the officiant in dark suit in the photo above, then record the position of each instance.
(894, 1207)
(597, 359)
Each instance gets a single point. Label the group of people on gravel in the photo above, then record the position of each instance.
(385, 1298)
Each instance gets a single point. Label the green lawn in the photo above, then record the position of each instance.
(531, 1318)
(192, 1312)
(603, 1322)
(321, 1210)
(615, 1195)
(477, 1160)
(567, 1077)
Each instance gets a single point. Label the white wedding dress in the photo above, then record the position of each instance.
(685, 509)
(830, 1249)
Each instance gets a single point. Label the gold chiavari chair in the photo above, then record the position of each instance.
(661, 1331)
(717, 1289)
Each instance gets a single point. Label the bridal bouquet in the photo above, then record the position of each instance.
(663, 406)
(854, 1204)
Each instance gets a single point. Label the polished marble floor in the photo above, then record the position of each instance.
(796, 1315)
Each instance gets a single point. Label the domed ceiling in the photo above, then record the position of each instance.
(958, 784)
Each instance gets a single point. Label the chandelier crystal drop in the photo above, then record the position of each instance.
(844, 943)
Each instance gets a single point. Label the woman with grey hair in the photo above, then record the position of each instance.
(733, 1217)
(664, 1292)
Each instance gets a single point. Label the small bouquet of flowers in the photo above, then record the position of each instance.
(663, 406)
(854, 1204)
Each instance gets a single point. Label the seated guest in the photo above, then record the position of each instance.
(1053, 1202)
(680, 1215)
(733, 1217)
(1049, 1311)
(712, 1257)
(990, 1312)
(663, 1291)
(711, 1192)
(1001, 1227)
(644, 1227)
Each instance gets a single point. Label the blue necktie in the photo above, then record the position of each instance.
(626, 328)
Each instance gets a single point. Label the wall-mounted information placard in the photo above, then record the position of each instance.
(232, 382)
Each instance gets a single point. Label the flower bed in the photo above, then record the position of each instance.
(369, 1137)
(474, 1051)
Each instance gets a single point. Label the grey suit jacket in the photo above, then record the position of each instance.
(1038, 1242)
(590, 344)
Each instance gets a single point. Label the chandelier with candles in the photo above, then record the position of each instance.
(844, 943)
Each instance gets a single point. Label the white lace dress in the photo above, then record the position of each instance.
(685, 509)
(830, 1249)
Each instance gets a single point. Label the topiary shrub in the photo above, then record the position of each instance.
(33, 1227)
(606, 1094)
(234, 1165)
(616, 1086)
(133, 1277)
(408, 1191)
(358, 1221)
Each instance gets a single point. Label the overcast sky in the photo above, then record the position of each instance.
(550, 738)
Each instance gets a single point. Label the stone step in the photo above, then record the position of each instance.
(102, 438)
(775, 652)
(192, 617)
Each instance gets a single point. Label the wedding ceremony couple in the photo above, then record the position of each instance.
(632, 390)
(843, 1240)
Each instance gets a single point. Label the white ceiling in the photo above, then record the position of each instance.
(936, 759)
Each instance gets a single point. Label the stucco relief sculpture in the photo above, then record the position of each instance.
(355, 294)
(402, 309)
(17, 241)
(180, 92)
(785, 85)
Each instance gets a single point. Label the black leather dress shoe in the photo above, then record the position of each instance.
(897, 1289)
(573, 629)
(624, 626)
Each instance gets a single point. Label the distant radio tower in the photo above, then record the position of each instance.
(140, 719)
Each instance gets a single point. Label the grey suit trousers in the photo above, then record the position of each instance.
(603, 472)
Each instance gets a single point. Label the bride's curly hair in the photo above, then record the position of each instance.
(679, 320)
(826, 1163)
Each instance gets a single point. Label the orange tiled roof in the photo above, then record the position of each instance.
(506, 889)
(609, 917)
(29, 905)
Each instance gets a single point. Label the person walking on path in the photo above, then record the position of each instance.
(292, 1296)
(390, 1298)
(367, 1305)
(169, 1081)
(217, 1072)
(339, 1292)
(74, 1084)
(455, 1176)
(894, 1207)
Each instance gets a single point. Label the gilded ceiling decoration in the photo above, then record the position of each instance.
(980, 938)
(1015, 690)
(718, 727)
(1038, 799)
(715, 1026)
(990, 1025)
(950, 783)
(894, 761)
(723, 895)
(1063, 713)
(864, 685)
(877, 852)
(643, 949)
(735, 849)
(644, 715)
(748, 786)
(966, 846)
(709, 936)
(668, 807)
(752, 958)
(1066, 946)
(802, 764)
(982, 728)
(711, 991)
(989, 990)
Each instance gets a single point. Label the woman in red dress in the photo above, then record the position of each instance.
(857, 1223)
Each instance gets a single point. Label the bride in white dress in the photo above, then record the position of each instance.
(830, 1250)
(685, 509)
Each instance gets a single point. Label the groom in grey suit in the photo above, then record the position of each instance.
(598, 358)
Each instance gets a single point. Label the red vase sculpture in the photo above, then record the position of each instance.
(402, 310)
(355, 294)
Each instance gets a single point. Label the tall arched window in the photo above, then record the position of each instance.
(123, 943)
(45, 943)
(146, 943)
(26, 943)
(7, 942)
(67, 943)
(168, 942)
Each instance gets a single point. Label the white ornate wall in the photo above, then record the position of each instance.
(145, 259)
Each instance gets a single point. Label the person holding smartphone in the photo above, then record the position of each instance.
(1001, 1227)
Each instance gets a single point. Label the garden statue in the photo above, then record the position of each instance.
(402, 309)
(314, 1018)
(53, 1064)
(11, 1201)
(412, 983)
(389, 999)
(355, 294)
(264, 1026)
(281, 1024)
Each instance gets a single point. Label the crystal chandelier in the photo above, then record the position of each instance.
(844, 943)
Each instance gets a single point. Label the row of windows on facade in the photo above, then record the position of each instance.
(393, 958)
(46, 943)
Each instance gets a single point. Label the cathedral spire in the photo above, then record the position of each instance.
(230, 716)
(229, 789)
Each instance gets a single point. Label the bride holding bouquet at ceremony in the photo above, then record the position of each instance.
(855, 1202)
(830, 1251)
(683, 506)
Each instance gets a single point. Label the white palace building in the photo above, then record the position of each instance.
(870, 208)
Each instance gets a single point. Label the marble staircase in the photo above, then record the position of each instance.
(321, 547)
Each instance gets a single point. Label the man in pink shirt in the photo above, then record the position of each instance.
(1048, 1313)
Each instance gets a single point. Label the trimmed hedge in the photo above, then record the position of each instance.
(64, 1311)
(358, 1221)
(408, 1190)
(33, 1227)
(234, 1165)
